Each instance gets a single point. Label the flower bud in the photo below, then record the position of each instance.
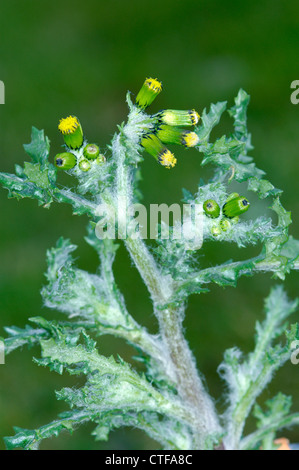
(91, 151)
(167, 159)
(100, 159)
(232, 196)
(211, 208)
(71, 130)
(84, 165)
(154, 147)
(148, 92)
(235, 207)
(65, 161)
(175, 135)
(225, 225)
(174, 117)
(216, 231)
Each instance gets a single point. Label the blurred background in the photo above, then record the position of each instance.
(72, 57)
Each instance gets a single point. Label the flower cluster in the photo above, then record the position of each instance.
(169, 126)
(79, 152)
(234, 206)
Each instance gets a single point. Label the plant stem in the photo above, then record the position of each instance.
(249, 442)
(180, 362)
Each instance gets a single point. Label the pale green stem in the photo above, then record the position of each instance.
(243, 407)
(181, 364)
(249, 442)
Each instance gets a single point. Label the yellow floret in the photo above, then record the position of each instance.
(153, 84)
(194, 116)
(190, 139)
(68, 125)
(167, 159)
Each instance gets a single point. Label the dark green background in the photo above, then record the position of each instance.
(72, 57)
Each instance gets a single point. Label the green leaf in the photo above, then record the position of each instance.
(30, 439)
(20, 188)
(284, 217)
(291, 249)
(111, 385)
(263, 187)
(247, 378)
(39, 147)
(276, 408)
(239, 114)
(208, 122)
(19, 337)
(36, 175)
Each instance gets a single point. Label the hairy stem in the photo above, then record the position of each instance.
(181, 364)
(251, 441)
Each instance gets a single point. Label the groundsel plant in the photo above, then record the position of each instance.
(168, 400)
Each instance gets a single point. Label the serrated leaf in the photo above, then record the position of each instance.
(39, 147)
(276, 408)
(239, 113)
(263, 187)
(36, 175)
(208, 122)
(20, 188)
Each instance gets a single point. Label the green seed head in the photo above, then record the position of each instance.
(211, 208)
(235, 207)
(65, 161)
(91, 151)
(84, 165)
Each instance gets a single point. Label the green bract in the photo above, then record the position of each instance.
(235, 206)
(149, 91)
(175, 117)
(176, 135)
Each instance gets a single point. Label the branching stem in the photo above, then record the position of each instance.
(181, 364)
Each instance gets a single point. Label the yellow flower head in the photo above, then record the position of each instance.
(194, 116)
(68, 125)
(167, 159)
(190, 139)
(177, 117)
(148, 92)
(153, 84)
